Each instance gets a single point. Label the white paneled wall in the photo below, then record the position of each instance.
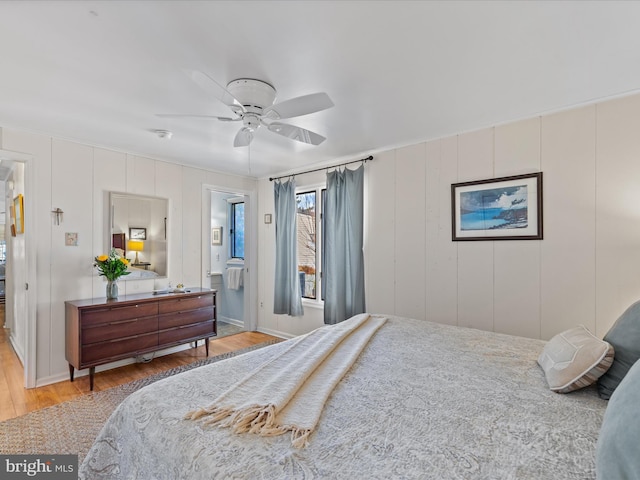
(517, 263)
(585, 271)
(568, 251)
(380, 228)
(617, 207)
(410, 231)
(441, 253)
(71, 266)
(475, 259)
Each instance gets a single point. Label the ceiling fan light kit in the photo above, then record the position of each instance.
(252, 94)
(252, 101)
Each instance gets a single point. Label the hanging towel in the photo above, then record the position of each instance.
(234, 278)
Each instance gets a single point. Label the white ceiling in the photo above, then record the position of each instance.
(398, 72)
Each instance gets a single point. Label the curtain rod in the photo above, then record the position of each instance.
(364, 160)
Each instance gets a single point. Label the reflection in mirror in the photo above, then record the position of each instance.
(139, 232)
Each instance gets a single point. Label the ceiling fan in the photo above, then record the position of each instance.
(252, 102)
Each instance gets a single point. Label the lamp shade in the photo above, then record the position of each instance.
(135, 245)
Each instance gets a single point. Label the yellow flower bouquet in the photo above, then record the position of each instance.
(111, 266)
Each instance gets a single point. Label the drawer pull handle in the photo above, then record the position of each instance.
(115, 309)
(132, 337)
(124, 321)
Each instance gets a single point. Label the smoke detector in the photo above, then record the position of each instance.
(166, 134)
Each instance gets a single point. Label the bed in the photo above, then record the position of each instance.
(423, 400)
(136, 273)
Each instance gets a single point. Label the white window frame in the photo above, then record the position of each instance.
(231, 231)
(317, 188)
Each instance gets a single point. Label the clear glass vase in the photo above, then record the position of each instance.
(112, 289)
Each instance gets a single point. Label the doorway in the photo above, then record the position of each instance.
(4, 172)
(18, 196)
(227, 253)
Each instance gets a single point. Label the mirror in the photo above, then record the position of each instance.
(139, 230)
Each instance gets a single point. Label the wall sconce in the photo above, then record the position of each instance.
(135, 246)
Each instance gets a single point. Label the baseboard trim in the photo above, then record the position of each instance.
(275, 333)
(16, 347)
(232, 321)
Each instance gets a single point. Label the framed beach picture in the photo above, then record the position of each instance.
(216, 236)
(507, 208)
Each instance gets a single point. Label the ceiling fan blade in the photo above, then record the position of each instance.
(243, 138)
(215, 90)
(295, 107)
(208, 117)
(296, 133)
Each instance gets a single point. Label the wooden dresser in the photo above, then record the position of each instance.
(100, 331)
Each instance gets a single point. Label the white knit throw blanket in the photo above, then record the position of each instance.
(288, 392)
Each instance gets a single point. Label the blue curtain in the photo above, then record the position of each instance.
(286, 297)
(343, 223)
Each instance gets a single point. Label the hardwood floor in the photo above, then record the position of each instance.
(15, 400)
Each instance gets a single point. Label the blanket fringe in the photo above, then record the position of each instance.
(256, 419)
(300, 437)
(252, 419)
(216, 411)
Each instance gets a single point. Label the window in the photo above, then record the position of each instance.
(309, 242)
(236, 230)
(306, 226)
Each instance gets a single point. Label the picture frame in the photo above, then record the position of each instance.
(505, 208)
(137, 233)
(18, 205)
(216, 236)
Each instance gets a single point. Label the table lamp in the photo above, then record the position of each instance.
(135, 246)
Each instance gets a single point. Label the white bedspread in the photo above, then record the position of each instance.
(136, 273)
(423, 400)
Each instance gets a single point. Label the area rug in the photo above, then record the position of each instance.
(71, 427)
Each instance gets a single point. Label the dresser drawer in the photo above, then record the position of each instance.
(113, 314)
(186, 303)
(169, 320)
(127, 347)
(184, 334)
(118, 329)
